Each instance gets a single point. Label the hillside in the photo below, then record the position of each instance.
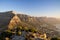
(11, 20)
(39, 24)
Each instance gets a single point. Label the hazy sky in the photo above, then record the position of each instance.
(50, 8)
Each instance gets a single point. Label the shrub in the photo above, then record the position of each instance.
(5, 34)
(18, 33)
(55, 38)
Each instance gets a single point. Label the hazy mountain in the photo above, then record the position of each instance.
(50, 20)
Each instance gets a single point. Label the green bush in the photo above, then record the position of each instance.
(32, 30)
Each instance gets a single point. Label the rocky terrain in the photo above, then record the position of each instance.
(11, 20)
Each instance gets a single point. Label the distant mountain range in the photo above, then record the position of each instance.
(44, 24)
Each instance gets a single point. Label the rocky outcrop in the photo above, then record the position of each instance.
(14, 22)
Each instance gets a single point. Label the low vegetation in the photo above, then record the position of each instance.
(18, 31)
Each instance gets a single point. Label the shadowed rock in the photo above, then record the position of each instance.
(5, 18)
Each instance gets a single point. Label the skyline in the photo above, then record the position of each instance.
(49, 8)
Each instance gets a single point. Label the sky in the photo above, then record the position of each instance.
(49, 8)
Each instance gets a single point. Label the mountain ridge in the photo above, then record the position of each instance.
(27, 21)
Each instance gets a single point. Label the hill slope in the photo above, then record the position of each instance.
(26, 21)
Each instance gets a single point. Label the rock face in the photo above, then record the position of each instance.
(5, 18)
